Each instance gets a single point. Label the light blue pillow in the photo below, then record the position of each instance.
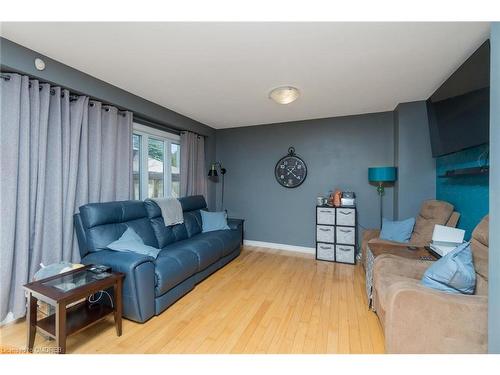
(131, 241)
(213, 221)
(399, 231)
(453, 273)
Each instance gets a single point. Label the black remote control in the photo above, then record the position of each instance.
(99, 268)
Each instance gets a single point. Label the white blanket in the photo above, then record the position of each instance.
(171, 210)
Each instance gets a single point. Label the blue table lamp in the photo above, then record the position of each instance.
(381, 175)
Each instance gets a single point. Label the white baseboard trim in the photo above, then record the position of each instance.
(280, 246)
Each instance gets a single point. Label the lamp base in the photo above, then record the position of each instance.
(380, 191)
(380, 188)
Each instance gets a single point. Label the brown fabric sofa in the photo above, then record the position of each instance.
(417, 319)
(431, 213)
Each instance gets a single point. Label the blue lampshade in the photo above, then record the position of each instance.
(382, 174)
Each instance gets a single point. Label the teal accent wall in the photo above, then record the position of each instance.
(469, 194)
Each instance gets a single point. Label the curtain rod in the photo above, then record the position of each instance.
(161, 126)
(156, 125)
(75, 94)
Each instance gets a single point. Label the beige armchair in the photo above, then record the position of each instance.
(417, 319)
(431, 213)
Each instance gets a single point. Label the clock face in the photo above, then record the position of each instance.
(290, 171)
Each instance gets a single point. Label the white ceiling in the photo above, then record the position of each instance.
(221, 73)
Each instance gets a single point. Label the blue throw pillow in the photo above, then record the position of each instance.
(131, 241)
(213, 221)
(453, 273)
(399, 231)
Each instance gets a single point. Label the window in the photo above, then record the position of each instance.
(156, 163)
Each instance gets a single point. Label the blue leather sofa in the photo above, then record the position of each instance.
(187, 257)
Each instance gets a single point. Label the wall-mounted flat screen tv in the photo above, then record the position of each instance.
(459, 110)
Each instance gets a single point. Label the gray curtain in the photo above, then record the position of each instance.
(193, 173)
(58, 152)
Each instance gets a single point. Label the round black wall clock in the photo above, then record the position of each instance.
(291, 170)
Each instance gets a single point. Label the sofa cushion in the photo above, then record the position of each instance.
(207, 250)
(480, 244)
(212, 221)
(388, 270)
(399, 231)
(106, 222)
(383, 287)
(172, 267)
(192, 222)
(192, 203)
(179, 231)
(432, 212)
(167, 235)
(164, 235)
(229, 240)
(100, 236)
(453, 273)
(94, 214)
(131, 241)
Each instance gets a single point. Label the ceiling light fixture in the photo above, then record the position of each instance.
(284, 94)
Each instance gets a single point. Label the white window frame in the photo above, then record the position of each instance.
(146, 133)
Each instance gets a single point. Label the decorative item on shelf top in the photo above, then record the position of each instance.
(290, 170)
(337, 197)
(348, 199)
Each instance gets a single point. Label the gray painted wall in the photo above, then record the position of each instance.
(494, 255)
(413, 157)
(337, 151)
(396, 157)
(16, 58)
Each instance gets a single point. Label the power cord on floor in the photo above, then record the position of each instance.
(99, 294)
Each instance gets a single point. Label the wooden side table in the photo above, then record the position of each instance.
(65, 292)
(373, 250)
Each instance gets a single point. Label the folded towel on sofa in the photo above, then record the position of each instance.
(171, 210)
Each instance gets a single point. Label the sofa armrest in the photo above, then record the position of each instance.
(396, 265)
(235, 223)
(453, 220)
(119, 261)
(368, 235)
(138, 284)
(424, 320)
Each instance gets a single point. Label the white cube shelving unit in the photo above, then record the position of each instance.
(336, 234)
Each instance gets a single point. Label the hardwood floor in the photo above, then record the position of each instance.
(265, 301)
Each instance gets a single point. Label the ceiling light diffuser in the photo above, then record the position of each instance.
(284, 94)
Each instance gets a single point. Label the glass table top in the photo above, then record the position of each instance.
(75, 280)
